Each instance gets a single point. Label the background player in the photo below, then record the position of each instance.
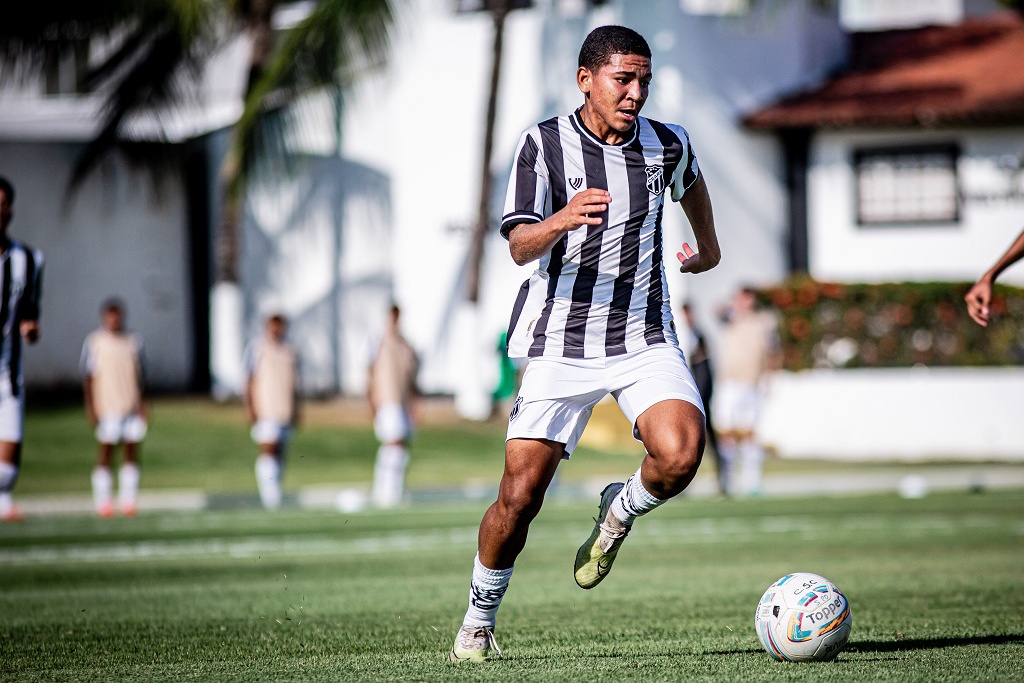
(271, 404)
(115, 404)
(586, 198)
(748, 351)
(391, 388)
(22, 278)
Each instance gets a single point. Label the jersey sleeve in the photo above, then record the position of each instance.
(687, 170)
(528, 185)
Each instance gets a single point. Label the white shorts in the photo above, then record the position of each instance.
(392, 423)
(12, 414)
(736, 406)
(268, 431)
(558, 395)
(114, 429)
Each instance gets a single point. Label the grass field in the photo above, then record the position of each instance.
(935, 587)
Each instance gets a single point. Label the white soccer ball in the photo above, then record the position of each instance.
(803, 617)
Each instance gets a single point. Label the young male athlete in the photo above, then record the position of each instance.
(21, 287)
(271, 404)
(115, 404)
(586, 198)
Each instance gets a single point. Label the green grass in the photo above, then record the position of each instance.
(934, 584)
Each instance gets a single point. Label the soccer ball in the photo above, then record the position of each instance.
(803, 617)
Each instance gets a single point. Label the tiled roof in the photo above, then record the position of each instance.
(968, 74)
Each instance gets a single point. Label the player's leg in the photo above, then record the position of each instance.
(10, 463)
(393, 427)
(269, 438)
(530, 465)
(103, 478)
(658, 395)
(131, 470)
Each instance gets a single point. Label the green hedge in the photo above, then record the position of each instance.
(827, 324)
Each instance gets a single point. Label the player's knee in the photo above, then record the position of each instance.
(520, 504)
(678, 455)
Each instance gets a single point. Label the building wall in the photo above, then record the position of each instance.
(115, 237)
(991, 210)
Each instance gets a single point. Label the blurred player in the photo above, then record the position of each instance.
(391, 389)
(697, 356)
(585, 197)
(980, 295)
(271, 404)
(748, 352)
(21, 284)
(115, 404)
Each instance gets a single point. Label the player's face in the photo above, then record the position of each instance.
(113, 319)
(614, 95)
(276, 328)
(6, 211)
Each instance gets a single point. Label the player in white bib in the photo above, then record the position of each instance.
(115, 404)
(585, 199)
(271, 404)
(21, 279)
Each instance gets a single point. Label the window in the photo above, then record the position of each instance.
(907, 185)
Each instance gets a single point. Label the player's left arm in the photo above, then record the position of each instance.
(29, 304)
(140, 359)
(696, 203)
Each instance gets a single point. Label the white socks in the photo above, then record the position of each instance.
(102, 490)
(485, 593)
(389, 475)
(633, 500)
(128, 487)
(751, 463)
(268, 480)
(8, 475)
(728, 455)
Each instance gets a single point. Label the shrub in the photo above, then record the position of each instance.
(902, 324)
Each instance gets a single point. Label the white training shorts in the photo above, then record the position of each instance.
(558, 395)
(12, 413)
(736, 406)
(114, 429)
(269, 431)
(392, 423)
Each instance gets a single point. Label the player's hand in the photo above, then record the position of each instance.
(582, 208)
(690, 261)
(978, 299)
(30, 331)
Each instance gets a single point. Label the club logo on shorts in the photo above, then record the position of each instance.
(655, 179)
(515, 408)
(576, 183)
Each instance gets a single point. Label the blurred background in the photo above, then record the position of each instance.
(212, 162)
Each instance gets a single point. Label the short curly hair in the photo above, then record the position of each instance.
(8, 189)
(605, 41)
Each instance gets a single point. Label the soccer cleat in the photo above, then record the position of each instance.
(105, 510)
(129, 509)
(475, 644)
(594, 558)
(12, 514)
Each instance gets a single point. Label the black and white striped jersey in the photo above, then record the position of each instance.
(20, 291)
(606, 291)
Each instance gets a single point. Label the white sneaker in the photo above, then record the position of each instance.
(475, 644)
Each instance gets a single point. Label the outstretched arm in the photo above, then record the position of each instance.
(980, 295)
(530, 241)
(696, 203)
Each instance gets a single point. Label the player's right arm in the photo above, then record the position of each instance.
(86, 364)
(529, 241)
(980, 295)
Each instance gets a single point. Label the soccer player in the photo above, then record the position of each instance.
(586, 197)
(980, 295)
(115, 404)
(696, 349)
(21, 283)
(271, 404)
(391, 388)
(748, 352)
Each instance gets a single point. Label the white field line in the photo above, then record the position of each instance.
(652, 531)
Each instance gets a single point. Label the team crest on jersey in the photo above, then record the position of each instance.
(515, 408)
(655, 179)
(576, 183)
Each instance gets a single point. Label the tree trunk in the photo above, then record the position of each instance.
(227, 301)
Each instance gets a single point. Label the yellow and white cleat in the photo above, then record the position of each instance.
(475, 644)
(594, 558)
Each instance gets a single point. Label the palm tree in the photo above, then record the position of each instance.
(159, 47)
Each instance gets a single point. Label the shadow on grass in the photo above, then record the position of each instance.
(930, 643)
